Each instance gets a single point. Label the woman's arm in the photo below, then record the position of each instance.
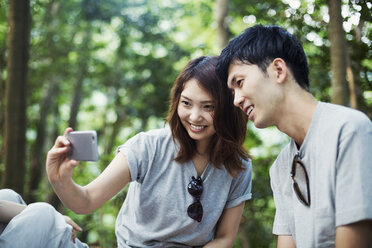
(227, 227)
(85, 199)
(285, 241)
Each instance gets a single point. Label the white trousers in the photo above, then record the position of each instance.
(39, 225)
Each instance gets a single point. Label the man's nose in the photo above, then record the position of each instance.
(238, 99)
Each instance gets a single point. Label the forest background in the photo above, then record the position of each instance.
(109, 65)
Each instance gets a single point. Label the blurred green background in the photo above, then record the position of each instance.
(108, 65)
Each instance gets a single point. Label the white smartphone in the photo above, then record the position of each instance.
(84, 146)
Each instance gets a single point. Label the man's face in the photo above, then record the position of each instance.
(254, 92)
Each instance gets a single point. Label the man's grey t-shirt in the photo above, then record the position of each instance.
(154, 213)
(337, 154)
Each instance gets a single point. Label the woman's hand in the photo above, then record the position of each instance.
(84, 199)
(59, 168)
(75, 227)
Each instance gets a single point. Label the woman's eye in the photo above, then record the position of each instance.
(209, 107)
(186, 103)
(239, 82)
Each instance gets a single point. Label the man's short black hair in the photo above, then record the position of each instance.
(260, 45)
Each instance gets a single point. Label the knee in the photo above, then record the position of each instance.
(41, 215)
(45, 216)
(41, 210)
(38, 222)
(10, 195)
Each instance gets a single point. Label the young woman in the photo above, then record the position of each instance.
(188, 181)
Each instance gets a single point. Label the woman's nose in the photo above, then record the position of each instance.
(195, 114)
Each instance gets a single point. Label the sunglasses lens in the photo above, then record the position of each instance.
(195, 187)
(300, 181)
(195, 211)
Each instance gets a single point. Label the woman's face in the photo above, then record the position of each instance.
(195, 110)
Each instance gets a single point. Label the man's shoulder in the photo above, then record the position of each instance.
(344, 117)
(343, 112)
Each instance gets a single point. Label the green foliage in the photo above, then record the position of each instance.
(122, 57)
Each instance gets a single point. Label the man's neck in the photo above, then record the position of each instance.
(297, 113)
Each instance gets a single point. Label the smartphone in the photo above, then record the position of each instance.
(84, 146)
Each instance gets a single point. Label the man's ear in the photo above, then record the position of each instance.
(281, 70)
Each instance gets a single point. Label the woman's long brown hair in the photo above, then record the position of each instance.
(226, 146)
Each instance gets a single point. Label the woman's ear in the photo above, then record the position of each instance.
(281, 70)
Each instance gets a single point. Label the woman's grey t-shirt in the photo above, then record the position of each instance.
(154, 213)
(337, 154)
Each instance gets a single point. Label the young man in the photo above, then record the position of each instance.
(322, 179)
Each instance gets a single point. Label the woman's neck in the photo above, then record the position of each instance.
(202, 147)
(200, 162)
(201, 157)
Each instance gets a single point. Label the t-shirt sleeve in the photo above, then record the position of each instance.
(137, 150)
(241, 187)
(353, 175)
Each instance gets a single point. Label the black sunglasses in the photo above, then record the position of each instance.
(304, 198)
(195, 188)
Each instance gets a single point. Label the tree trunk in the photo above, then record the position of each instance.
(52, 197)
(351, 81)
(75, 105)
(121, 116)
(353, 69)
(338, 53)
(37, 159)
(51, 88)
(2, 99)
(222, 8)
(2, 107)
(78, 89)
(15, 94)
(356, 61)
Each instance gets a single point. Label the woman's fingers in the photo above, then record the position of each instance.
(68, 130)
(58, 166)
(61, 141)
(58, 150)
